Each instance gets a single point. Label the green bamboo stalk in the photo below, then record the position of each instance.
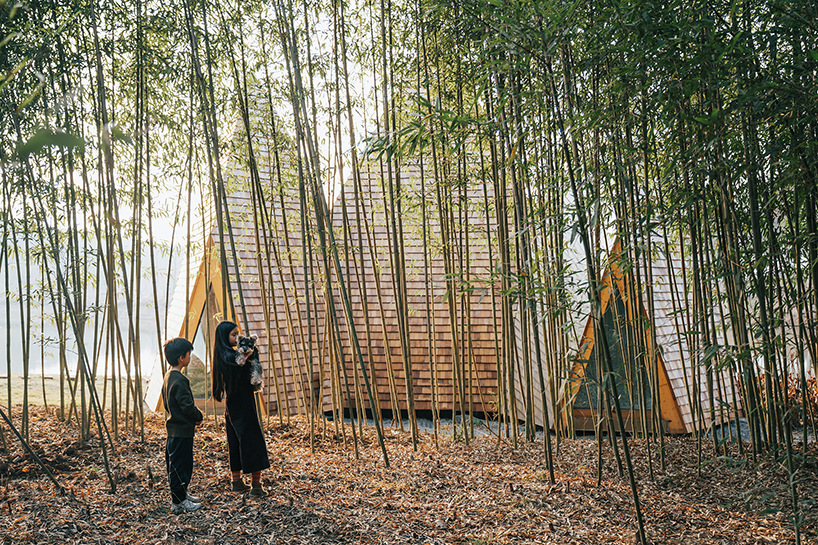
(594, 292)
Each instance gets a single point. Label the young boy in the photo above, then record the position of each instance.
(181, 417)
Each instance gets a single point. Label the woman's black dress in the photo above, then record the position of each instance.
(245, 441)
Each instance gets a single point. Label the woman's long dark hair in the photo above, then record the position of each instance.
(221, 351)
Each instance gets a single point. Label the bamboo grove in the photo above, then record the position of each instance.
(683, 130)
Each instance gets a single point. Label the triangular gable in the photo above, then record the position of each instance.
(184, 313)
(613, 282)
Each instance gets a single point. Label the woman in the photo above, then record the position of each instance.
(245, 441)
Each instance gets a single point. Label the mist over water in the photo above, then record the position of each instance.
(44, 348)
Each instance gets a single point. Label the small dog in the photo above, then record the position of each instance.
(246, 351)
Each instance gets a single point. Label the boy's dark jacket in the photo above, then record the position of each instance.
(181, 414)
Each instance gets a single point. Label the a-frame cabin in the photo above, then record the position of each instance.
(659, 342)
(296, 338)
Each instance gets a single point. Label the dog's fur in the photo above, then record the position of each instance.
(246, 351)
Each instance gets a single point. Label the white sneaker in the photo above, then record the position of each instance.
(194, 499)
(186, 506)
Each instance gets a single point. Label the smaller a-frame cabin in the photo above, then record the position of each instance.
(650, 357)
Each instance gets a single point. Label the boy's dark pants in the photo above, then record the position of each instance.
(179, 462)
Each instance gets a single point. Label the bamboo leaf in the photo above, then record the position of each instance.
(8, 38)
(30, 98)
(118, 134)
(48, 137)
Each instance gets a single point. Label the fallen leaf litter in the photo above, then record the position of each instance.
(486, 492)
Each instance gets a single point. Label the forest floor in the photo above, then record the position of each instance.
(483, 493)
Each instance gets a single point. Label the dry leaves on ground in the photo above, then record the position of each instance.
(483, 493)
